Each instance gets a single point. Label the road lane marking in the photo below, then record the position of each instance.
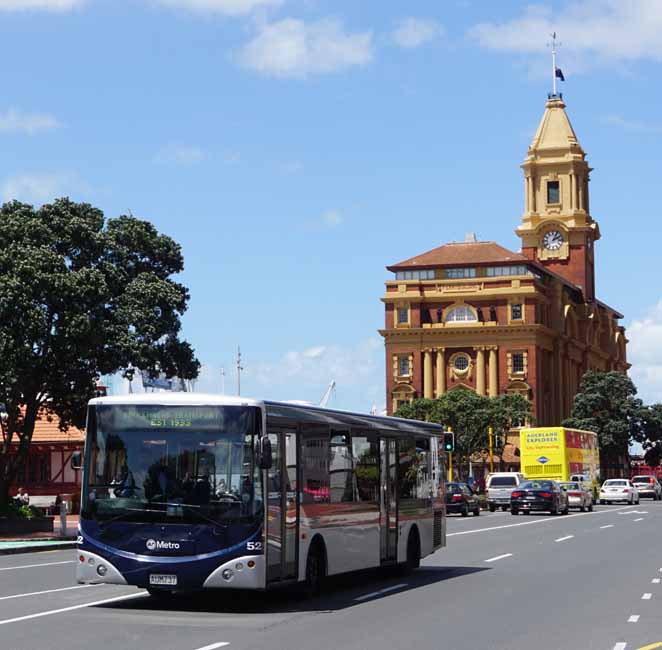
(376, 593)
(646, 596)
(499, 557)
(640, 519)
(32, 566)
(562, 539)
(607, 526)
(655, 581)
(18, 619)
(531, 523)
(634, 618)
(620, 646)
(48, 591)
(213, 646)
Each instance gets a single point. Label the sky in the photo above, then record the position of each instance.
(294, 148)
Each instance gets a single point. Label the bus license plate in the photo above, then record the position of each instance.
(163, 579)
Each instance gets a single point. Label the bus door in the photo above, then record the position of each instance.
(283, 513)
(388, 517)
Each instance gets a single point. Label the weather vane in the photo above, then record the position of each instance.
(557, 73)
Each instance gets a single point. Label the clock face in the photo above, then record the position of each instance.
(553, 240)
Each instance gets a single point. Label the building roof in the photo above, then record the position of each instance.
(47, 430)
(555, 130)
(461, 253)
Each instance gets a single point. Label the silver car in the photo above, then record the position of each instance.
(619, 489)
(580, 495)
(648, 486)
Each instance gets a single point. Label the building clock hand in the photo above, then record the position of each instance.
(553, 240)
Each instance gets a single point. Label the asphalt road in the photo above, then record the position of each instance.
(588, 581)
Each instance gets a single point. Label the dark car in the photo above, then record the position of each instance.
(547, 496)
(460, 498)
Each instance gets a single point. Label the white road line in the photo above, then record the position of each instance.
(655, 581)
(532, 523)
(607, 526)
(646, 596)
(72, 608)
(31, 566)
(620, 646)
(48, 591)
(640, 519)
(375, 593)
(499, 557)
(634, 618)
(213, 646)
(562, 539)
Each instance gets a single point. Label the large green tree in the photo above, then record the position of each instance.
(470, 415)
(607, 404)
(80, 296)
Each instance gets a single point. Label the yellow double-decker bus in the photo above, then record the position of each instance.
(558, 453)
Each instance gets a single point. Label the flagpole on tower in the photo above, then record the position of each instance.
(554, 64)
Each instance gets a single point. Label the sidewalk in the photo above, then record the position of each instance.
(33, 542)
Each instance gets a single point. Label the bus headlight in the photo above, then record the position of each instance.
(102, 569)
(228, 574)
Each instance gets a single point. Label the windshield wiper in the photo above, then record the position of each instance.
(190, 506)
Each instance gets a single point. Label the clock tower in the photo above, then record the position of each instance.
(557, 229)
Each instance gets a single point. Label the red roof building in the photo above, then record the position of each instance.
(479, 316)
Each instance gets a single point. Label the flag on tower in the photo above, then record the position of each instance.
(559, 74)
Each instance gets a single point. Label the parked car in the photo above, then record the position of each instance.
(460, 498)
(648, 486)
(579, 494)
(539, 495)
(618, 489)
(499, 488)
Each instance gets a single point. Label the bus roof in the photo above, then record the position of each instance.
(292, 410)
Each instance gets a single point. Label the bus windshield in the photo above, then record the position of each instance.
(172, 464)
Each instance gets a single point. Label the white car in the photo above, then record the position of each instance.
(618, 489)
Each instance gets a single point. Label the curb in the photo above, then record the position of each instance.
(59, 546)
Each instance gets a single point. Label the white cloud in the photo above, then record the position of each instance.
(414, 32)
(607, 30)
(645, 354)
(293, 48)
(17, 121)
(332, 218)
(181, 155)
(41, 188)
(227, 7)
(45, 5)
(632, 125)
(307, 372)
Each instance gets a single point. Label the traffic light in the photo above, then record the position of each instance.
(449, 441)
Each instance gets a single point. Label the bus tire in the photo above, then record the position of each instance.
(413, 552)
(315, 569)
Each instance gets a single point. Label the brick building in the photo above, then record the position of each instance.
(479, 316)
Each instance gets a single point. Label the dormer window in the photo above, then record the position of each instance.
(553, 192)
(461, 314)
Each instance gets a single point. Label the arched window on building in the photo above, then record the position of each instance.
(461, 314)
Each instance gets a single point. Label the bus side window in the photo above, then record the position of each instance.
(314, 464)
(340, 468)
(365, 451)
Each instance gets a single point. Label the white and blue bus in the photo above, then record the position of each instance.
(188, 491)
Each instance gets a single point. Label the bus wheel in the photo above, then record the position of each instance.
(315, 571)
(413, 553)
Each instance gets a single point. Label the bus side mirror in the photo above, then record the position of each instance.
(76, 460)
(265, 458)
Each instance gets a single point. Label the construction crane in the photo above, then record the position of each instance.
(325, 398)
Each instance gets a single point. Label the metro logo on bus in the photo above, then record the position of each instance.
(543, 459)
(157, 544)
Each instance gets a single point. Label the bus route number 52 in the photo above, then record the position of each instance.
(253, 546)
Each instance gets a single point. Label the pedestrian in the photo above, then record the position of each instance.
(22, 498)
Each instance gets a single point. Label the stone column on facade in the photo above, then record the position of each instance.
(494, 374)
(572, 191)
(580, 182)
(480, 370)
(428, 387)
(441, 371)
(533, 193)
